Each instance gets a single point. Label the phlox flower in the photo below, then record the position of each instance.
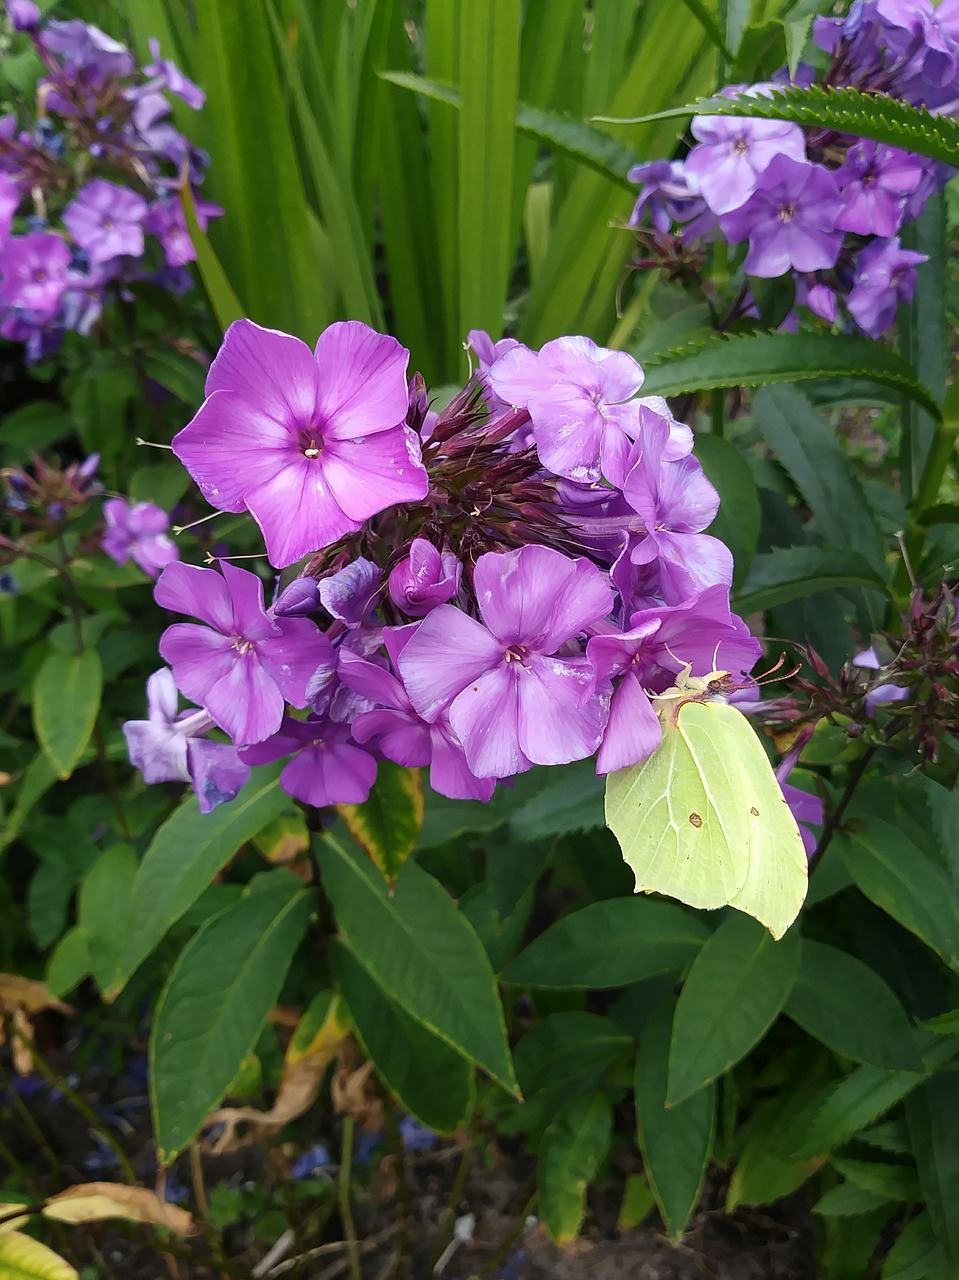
(732, 153)
(423, 580)
(805, 807)
(579, 398)
(875, 182)
(9, 200)
(789, 220)
(514, 694)
(885, 276)
(327, 767)
(33, 273)
(138, 531)
(311, 444)
(106, 221)
(242, 664)
(349, 595)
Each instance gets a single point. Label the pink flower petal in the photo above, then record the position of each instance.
(633, 731)
(292, 657)
(558, 720)
(373, 472)
(538, 597)
(231, 444)
(486, 717)
(447, 652)
(297, 512)
(271, 371)
(199, 593)
(361, 381)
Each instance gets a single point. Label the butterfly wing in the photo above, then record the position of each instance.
(776, 879)
(674, 825)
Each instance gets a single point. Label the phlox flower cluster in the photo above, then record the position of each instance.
(89, 182)
(479, 590)
(824, 208)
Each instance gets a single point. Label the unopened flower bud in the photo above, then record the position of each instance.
(302, 596)
(425, 579)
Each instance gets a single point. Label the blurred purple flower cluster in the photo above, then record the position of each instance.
(90, 181)
(498, 585)
(824, 207)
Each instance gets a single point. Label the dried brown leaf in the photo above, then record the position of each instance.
(94, 1201)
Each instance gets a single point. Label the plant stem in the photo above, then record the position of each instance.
(346, 1209)
(831, 824)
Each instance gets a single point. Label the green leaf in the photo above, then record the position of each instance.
(184, 856)
(69, 964)
(675, 1141)
(847, 1006)
(387, 825)
(789, 573)
(811, 453)
(570, 801)
(758, 359)
(38, 777)
(887, 1181)
(430, 1079)
(610, 944)
(924, 337)
(846, 110)
(710, 24)
(227, 307)
(66, 699)
(573, 1147)
(735, 989)
(23, 1258)
(31, 428)
(904, 882)
(573, 138)
(915, 1254)
(423, 953)
(104, 899)
(932, 1112)
(738, 519)
(847, 1200)
(215, 1004)
(180, 374)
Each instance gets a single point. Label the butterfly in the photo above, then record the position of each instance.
(703, 819)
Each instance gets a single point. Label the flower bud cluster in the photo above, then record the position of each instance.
(498, 585)
(89, 183)
(822, 207)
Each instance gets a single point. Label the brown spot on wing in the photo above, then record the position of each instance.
(695, 820)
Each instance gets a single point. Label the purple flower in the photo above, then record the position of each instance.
(350, 594)
(415, 1136)
(885, 276)
(242, 664)
(138, 531)
(935, 30)
(578, 398)
(701, 634)
(875, 182)
(805, 807)
(310, 445)
(167, 222)
(172, 747)
(24, 15)
(170, 77)
(515, 695)
(88, 48)
(298, 599)
(732, 154)
(33, 269)
(666, 196)
(790, 219)
(327, 766)
(9, 200)
(107, 221)
(884, 693)
(425, 579)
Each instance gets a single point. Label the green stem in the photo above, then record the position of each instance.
(346, 1208)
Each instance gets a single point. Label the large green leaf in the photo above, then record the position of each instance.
(386, 825)
(610, 944)
(66, 700)
(184, 856)
(789, 573)
(572, 1149)
(899, 877)
(736, 988)
(215, 1004)
(423, 953)
(103, 900)
(847, 1006)
(915, 1254)
(933, 1115)
(675, 1141)
(738, 519)
(761, 359)
(430, 1079)
(847, 110)
(924, 336)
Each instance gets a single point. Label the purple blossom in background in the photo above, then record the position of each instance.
(426, 578)
(243, 664)
(805, 807)
(33, 273)
(326, 768)
(106, 221)
(875, 182)
(732, 154)
(885, 276)
(667, 195)
(313, 1163)
(790, 219)
(514, 700)
(416, 1137)
(24, 15)
(172, 747)
(138, 531)
(169, 76)
(9, 200)
(578, 396)
(310, 444)
(88, 48)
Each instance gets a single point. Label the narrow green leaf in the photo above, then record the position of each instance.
(66, 700)
(811, 453)
(924, 336)
(847, 1006)
(388, 824)
(932, 1112)
(789, 573)
(226, 305)
(423, 953)
(31, 428)
(759, 359)
(886, 1180)
(430, 1079)
(184, 856)
(846, 1201)
(675, 1141)
(23, 1258)
(215, 1004)
(903, 881)
(915, 1254)
(571, 1152)
(735, 989)
(103, 903)
(710, 24)
(610, 944)
(38, 777)
(847, 110)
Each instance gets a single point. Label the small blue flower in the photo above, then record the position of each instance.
(416, 1137)
(366, 1147)
(312, 1163)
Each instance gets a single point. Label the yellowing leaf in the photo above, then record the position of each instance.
(10, 1220)
(94, 1201)
(388, 824)
(320, 1031)
(23, 1258)
(283, 839)
(23, 993)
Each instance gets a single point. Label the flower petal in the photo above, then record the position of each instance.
(559, 720)
(292, 658)
(373, 472)
(362, 381)
(297, 512)
(485, 718)
(447, 652)
(271, 371)
(229, 446)
(199, 593)
(538, 597)
(633, 731)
